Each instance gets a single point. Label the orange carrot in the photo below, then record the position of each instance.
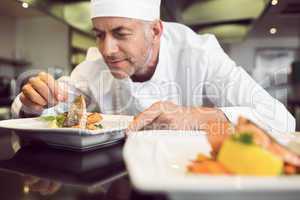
(198, 168)
(208, 167)
(202, 157)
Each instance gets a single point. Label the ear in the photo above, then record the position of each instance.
(157, 30)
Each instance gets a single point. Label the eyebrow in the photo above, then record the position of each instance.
(119, 28)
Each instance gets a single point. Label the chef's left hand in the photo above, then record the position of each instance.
(167, 115)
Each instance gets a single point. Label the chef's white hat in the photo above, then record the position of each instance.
(147, 10)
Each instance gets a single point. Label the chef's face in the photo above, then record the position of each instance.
(125, 44)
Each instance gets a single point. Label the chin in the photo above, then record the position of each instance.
(120, 75)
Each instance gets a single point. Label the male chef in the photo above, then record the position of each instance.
(165, 74)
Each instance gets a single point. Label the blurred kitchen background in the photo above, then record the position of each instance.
(263, 36)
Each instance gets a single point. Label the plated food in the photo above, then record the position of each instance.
(76, 117)
(245, 150)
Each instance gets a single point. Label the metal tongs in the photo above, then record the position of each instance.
(77, 115)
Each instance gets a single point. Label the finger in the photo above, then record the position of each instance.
(162, 122)
(31, 94)
(156, 126)
(145, 118)
(41, 186)
(29, 180)
(43, 90)
(30, 107)
(59, 93)
(27, 102)
(53, 187)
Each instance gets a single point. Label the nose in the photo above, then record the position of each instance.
(109, 46)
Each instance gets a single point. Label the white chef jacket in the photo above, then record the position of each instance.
(192, 70)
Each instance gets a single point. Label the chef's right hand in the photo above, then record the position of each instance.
(40, 92)
(41, 185)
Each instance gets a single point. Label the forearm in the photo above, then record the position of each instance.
(274, 120)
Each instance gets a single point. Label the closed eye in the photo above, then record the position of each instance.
(121, 35)
(98, 33)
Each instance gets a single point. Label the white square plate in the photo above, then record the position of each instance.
(157, 160)
(72, 138)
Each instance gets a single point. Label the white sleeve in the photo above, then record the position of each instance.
(240, 95)
(16, 107)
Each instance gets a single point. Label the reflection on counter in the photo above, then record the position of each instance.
(44, 171)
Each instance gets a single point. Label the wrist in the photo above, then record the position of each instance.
(204, 116)
(25, 114)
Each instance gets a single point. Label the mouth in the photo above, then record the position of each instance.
(116, 63)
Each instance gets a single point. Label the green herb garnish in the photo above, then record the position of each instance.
(245, 138)
(99, 126)
(48, 118)
(57, 120)
(60, 119)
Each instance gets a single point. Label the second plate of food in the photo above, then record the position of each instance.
(246, 159)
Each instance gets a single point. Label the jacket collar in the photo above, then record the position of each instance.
(162, 72)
